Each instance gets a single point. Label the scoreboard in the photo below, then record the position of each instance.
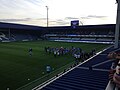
(75, 24)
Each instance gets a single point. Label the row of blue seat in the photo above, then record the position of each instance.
(80, 79)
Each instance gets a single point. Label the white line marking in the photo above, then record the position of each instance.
(102, 63)
(96, 69)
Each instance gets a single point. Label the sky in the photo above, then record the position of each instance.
(60, 12)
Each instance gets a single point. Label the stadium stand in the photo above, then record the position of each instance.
(98, 33)
(86, 33)
(18, 32)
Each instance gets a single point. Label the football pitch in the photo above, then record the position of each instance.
(18, 68)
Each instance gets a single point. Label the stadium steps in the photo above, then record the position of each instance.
(87, 81)
(98, 59)
(105, 65)
(95, 79)
(75, 86)
(64, 86)
(109, 50)
(102, 57)
(80, 79)
(78, 83)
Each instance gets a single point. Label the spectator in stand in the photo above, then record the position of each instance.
(112, 55)
(112, 71)
(114, 75)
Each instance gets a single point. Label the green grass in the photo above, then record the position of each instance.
(16, 66)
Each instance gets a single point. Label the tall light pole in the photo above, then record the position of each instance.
(117, 29)
(47, 15)
(81, 22)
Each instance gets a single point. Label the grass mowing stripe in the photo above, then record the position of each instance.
(32, 84)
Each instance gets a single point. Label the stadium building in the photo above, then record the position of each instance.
(93, 74)
(101, 71)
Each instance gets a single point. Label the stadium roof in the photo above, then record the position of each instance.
(31, 27)
(19, 26)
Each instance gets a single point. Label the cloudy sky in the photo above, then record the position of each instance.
(61, 12)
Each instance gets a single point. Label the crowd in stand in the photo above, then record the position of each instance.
(114, 75)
